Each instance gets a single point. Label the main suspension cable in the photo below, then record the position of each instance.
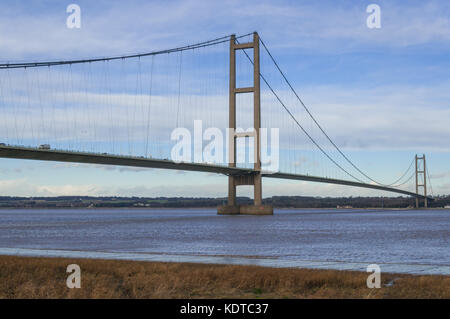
(300, 126)
(315, 121)
(401, 177)
(178, 49)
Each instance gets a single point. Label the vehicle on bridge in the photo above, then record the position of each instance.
(44, 146)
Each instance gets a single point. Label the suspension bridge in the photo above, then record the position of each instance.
(122, 110)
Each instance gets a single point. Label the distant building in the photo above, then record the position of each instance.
(344, 206)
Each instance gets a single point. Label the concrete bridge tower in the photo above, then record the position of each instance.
(255, 178)
(421, 179)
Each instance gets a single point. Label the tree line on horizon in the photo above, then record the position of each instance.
(191, 202)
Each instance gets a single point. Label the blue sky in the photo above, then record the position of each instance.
(382, 94)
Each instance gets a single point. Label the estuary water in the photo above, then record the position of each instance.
(403, 241)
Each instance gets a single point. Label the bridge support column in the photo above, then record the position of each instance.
(231, 208)
(257, 208)
(421, 179)
(255, 179)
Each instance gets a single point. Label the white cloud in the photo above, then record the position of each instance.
(23, 187)
(384, 118)
(137, 26)
(440, 175)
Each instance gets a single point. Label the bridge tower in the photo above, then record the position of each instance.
(255, 178)
(421, 178)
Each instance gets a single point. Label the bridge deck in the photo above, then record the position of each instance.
(108, 159)
(342, 182)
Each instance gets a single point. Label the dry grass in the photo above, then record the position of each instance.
(22, 277)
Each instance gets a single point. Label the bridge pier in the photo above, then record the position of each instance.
(256, 209)
(254, 179)
(245, 210)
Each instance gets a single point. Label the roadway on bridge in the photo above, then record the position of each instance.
(31, 153)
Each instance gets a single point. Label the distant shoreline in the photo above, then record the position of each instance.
(212, 208)
(278, 202)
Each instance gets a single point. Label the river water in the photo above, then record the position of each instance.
(403, 241)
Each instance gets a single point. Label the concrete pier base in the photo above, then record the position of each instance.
(228, 210)
(245, 210)
(256, 210)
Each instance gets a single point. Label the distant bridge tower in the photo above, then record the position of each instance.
(421, 179)
(255, 178)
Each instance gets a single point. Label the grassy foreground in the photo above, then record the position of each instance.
(22, 277)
